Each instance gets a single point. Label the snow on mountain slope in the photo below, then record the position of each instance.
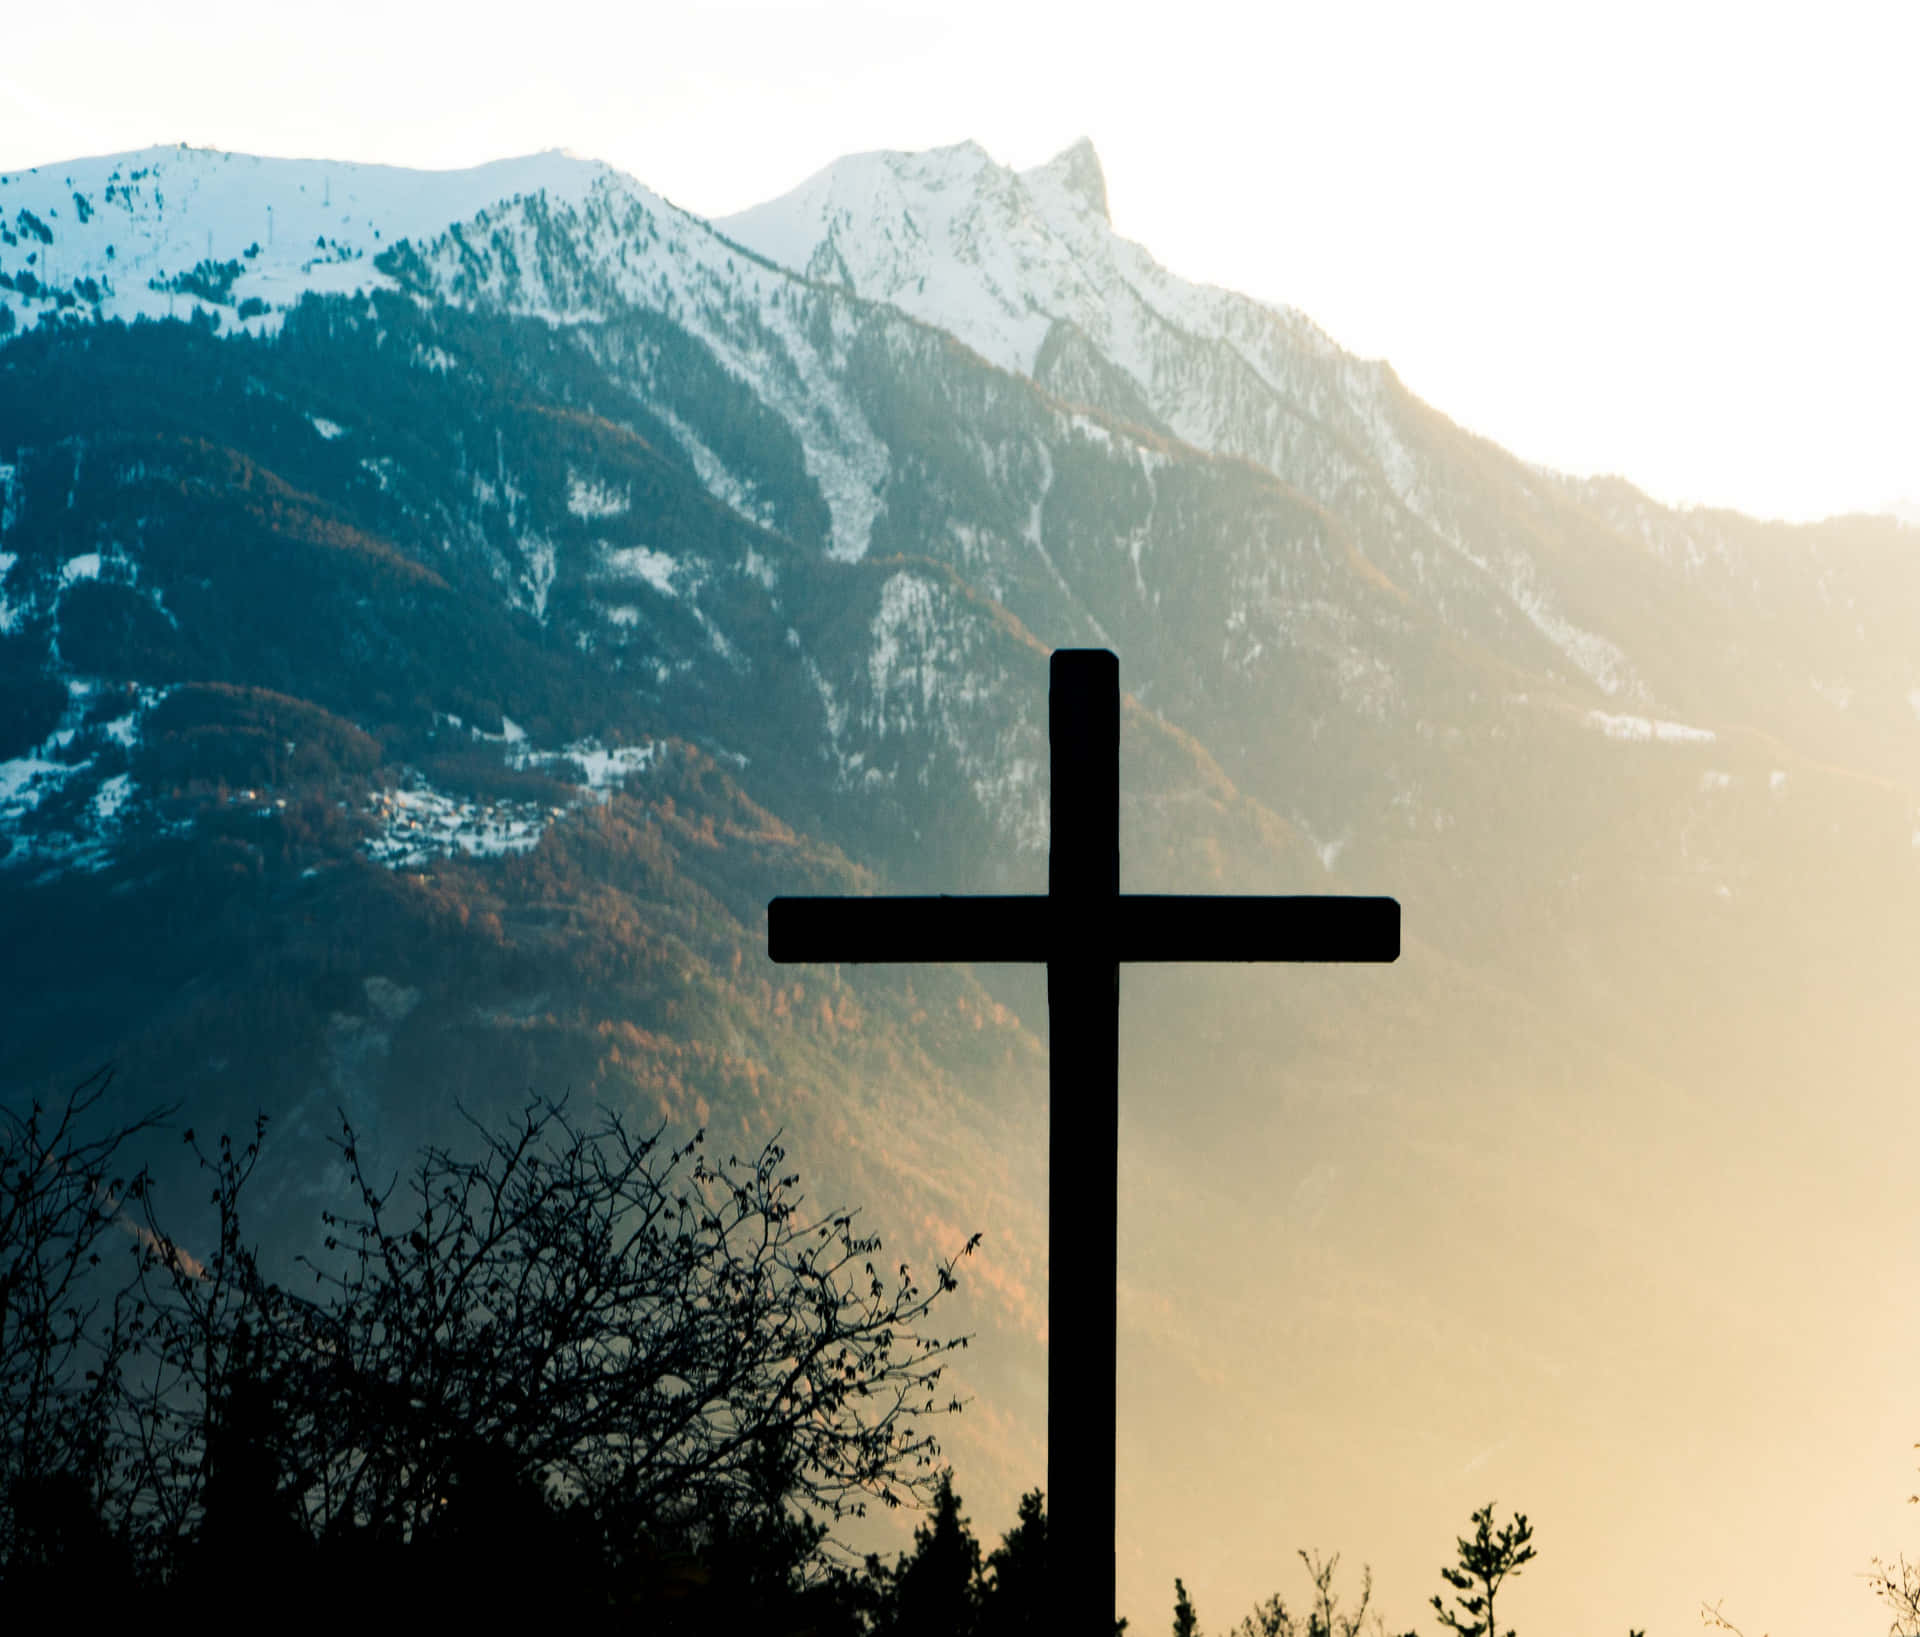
(997, 257)
(1027, 269)
(168, 232)
(584, 257)
(163, 231)
(947, 235)
(1024, 268)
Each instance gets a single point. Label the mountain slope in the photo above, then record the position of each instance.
(1027, 269)
(159, 232)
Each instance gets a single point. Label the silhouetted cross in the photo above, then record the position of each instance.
(1083, 928)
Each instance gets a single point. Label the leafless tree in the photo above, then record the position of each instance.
(609, 1321)
(573, 1319)
(1897, 1584)
(69, 1314)
(1326, 1617)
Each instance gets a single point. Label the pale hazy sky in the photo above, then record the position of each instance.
(1677, 242)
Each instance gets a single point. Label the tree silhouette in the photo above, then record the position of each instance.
(1486, 1560)
(936, 1589)
(633, 1328)
(1185, 1622)
(67, 1326)
(249, 1533)
(1326, 1617)
(57, 1540)
(1897, 1584)
(1016, 1601)
(645, 1379)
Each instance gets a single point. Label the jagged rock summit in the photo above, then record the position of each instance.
(996, 256)
(1077, 172)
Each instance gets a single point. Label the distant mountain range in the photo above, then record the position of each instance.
(422, 657)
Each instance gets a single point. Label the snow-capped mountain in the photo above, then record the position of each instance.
(161, 232)
(1026, 268)
(797, 363)
(493, 585)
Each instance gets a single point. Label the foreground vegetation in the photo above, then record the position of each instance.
(577, 1372)
(638, 1369)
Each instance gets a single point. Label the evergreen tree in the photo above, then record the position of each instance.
(1015, 1598)
(1185, 1622)
(247, 1526)
(1486, 1560)
(937, 1588)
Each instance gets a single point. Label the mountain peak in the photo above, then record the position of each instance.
(1077, 172)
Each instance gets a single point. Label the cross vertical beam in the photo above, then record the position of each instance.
(1083, 1143)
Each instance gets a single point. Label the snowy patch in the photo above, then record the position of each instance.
(847, 463)
(604, 770)
(28, 781)
(906, 612)
(111, 797)
(592, 500)
(538, 576)
(832, 708)
(1085, 426)
(84, 567)
(642, 563)
(24, 780)
(1033, 538)
(328, 430)
(625, 614)
(713, 473)
(717, 639)
(1776, 781)
(1714, 780)
(1642, 730)
(511, 733)
(420, 823)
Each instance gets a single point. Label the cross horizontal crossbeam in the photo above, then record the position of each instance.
(1146, 927)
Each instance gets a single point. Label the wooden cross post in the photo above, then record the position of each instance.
(1083, 928)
